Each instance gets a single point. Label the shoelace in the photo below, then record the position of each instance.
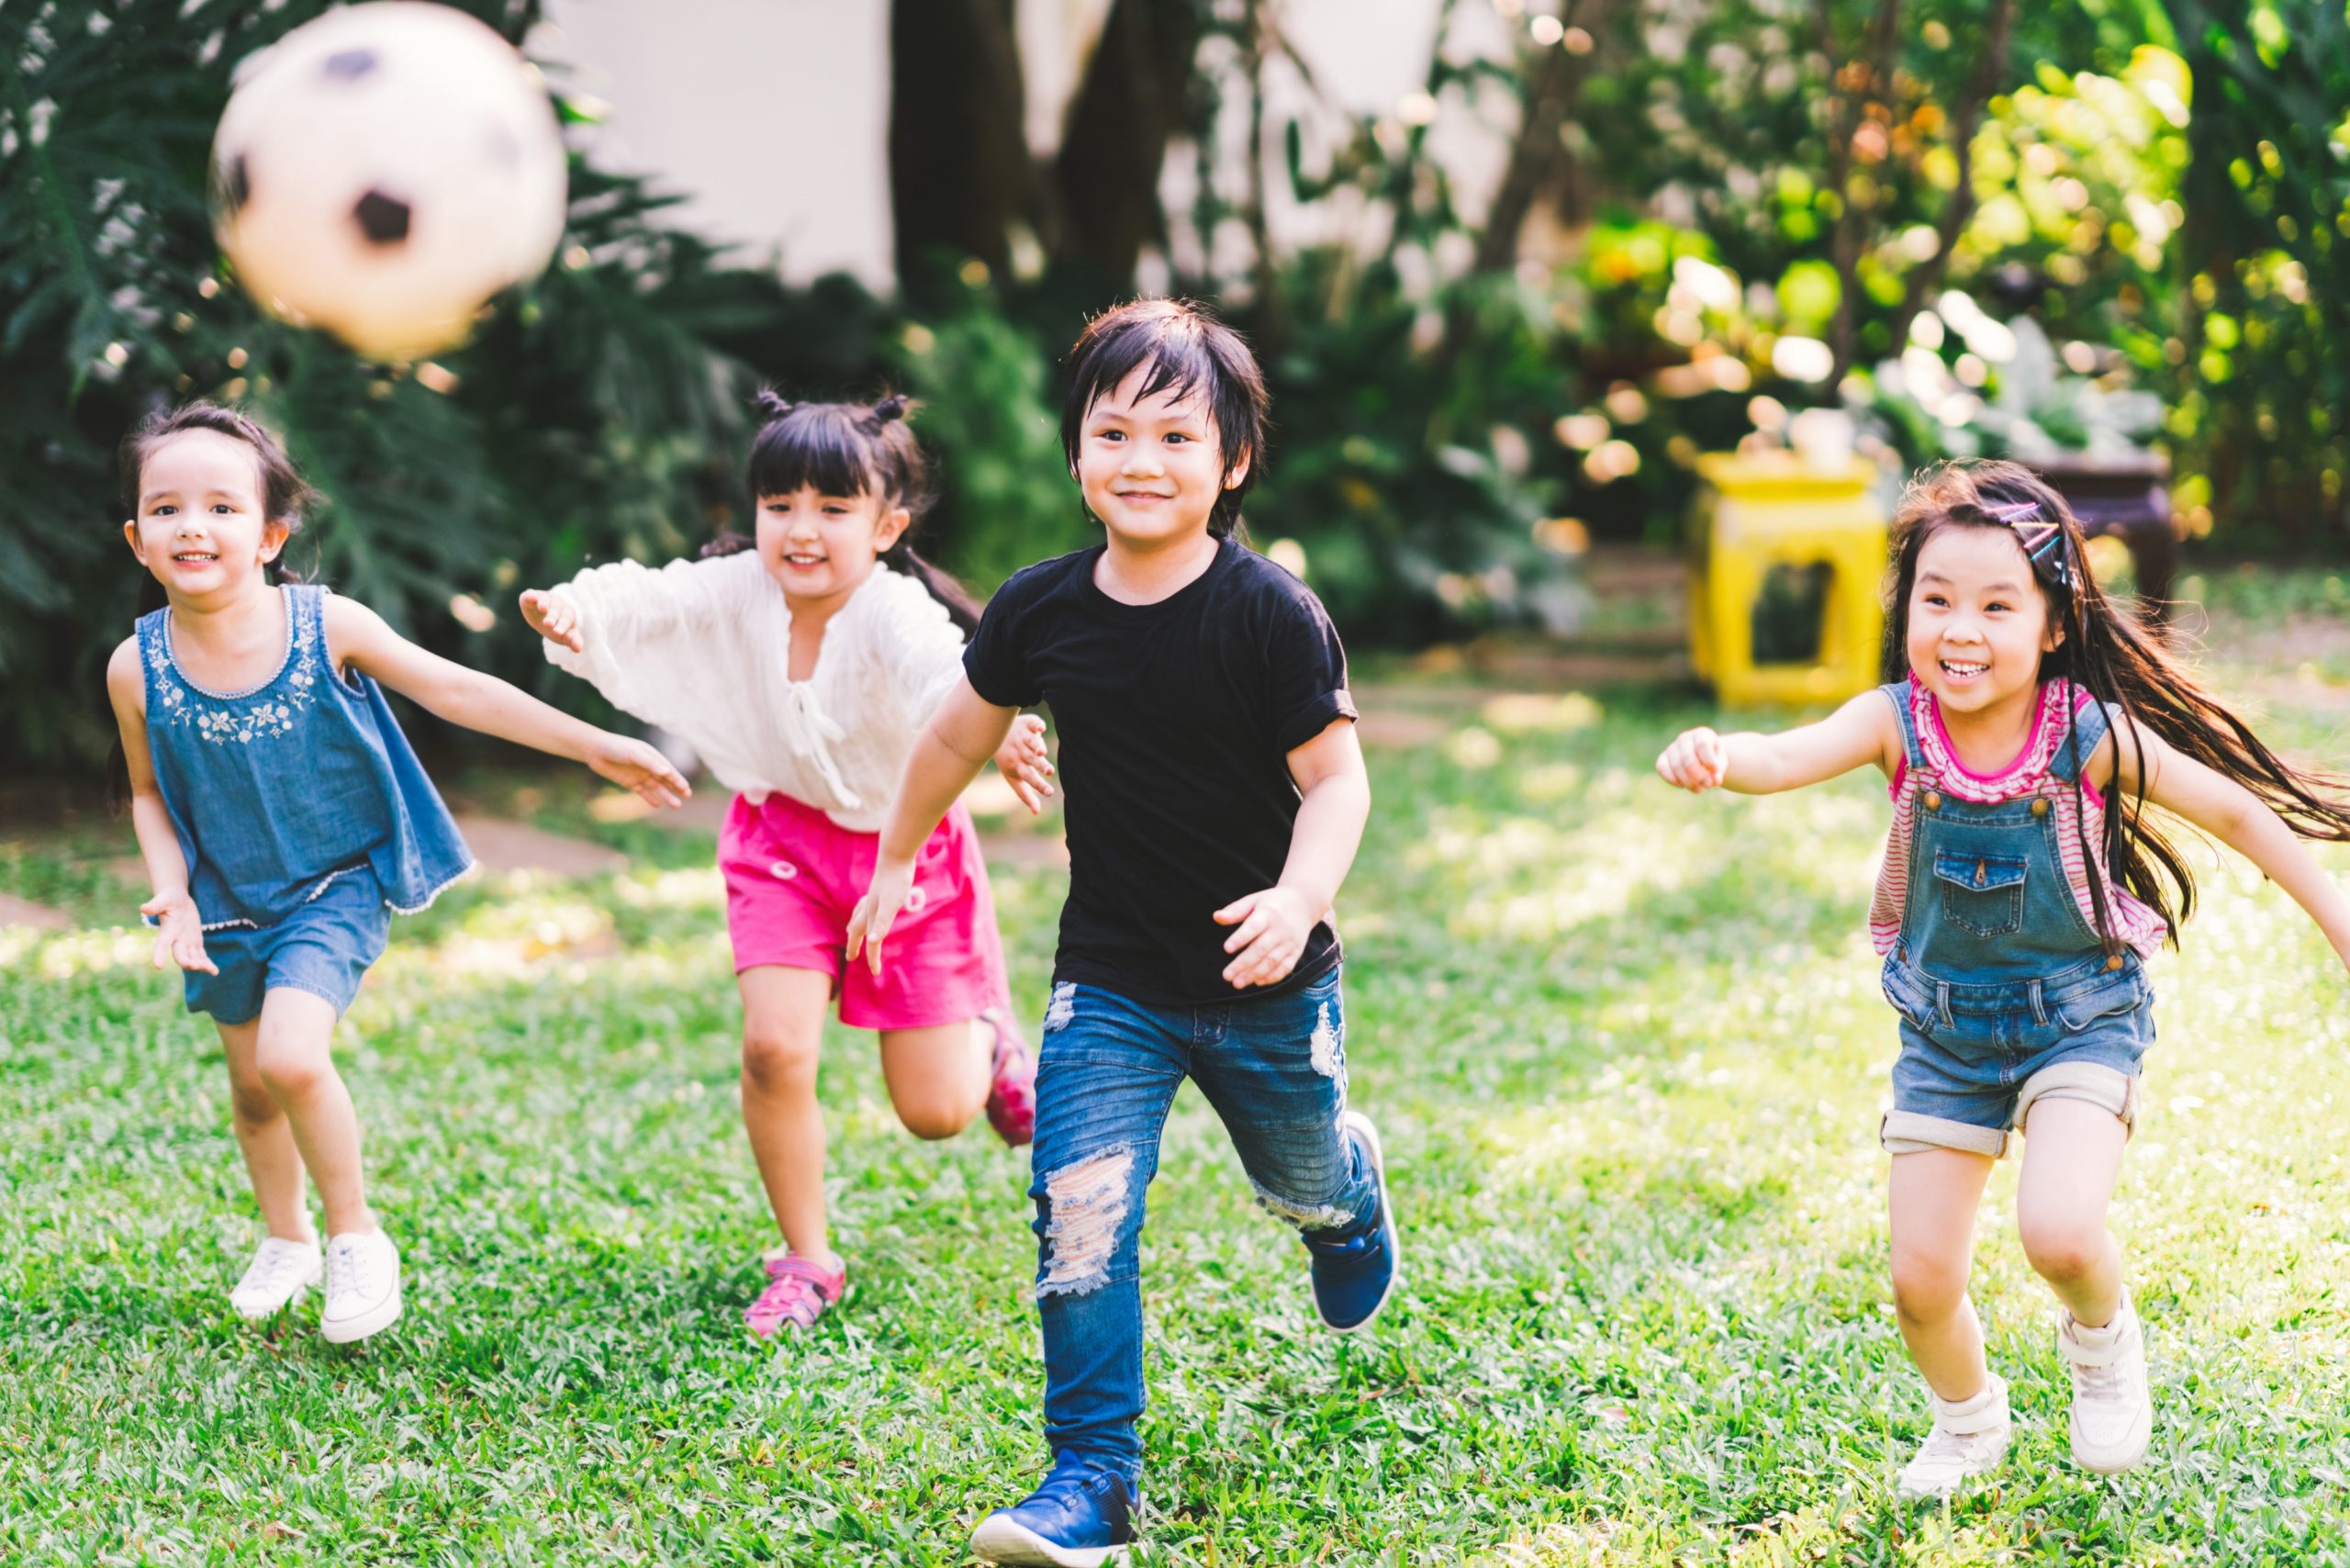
(352, 1270)
(1943, 1447)
(2106, 1382)
(274, 1268)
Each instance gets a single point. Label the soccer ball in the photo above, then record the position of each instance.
(382, 171)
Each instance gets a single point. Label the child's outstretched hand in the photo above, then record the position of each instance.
(1697, 761)
(554, 617)
(1274, 927)
(179, 933)
(877, 911)
(632, 765)
(1021, 759)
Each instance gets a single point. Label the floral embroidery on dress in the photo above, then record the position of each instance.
(262, 713)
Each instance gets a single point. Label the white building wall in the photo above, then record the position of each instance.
(771, 117)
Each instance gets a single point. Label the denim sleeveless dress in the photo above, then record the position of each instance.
(303, 813)
(2007, 994)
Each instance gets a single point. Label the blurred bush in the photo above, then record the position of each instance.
(1980, 226)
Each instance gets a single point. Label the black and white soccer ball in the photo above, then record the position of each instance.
(383, 171)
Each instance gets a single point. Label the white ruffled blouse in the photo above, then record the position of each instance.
(703, 650)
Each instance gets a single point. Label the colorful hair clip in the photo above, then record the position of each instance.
(2043, 543)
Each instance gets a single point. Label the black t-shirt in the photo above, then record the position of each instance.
(1176, 721)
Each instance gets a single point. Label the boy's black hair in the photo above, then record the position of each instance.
(1184, 349)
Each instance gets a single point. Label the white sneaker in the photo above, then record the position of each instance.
(276, 1277)
(2113, 1415)
(1967, 1439)
(363, 1285)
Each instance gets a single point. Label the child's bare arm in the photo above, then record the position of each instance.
(358, 637)
(964, 731)
(2235, 816)
(1274, 924)
(179, 929)
(1862, 730)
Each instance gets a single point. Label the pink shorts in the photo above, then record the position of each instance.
(793, 876)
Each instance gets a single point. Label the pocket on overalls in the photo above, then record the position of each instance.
(1909, 997)
(2119, 992)
(1982, 893)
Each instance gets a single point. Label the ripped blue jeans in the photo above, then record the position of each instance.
(1275, 1069)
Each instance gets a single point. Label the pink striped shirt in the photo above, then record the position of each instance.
(2077, 814)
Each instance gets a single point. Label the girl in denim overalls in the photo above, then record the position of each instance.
(2027, 725)
(283, 818)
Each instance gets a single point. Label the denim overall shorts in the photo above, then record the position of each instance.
(2005, 993)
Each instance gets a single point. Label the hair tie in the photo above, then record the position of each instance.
(894, 406)
(2042, 542)
(772, 404)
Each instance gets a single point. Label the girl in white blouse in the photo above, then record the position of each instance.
(801, 665)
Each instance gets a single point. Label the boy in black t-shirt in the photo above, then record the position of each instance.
(1216, 797)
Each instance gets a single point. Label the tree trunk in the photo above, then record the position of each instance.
(1105, 178)
(960, 172)
(1533, 154)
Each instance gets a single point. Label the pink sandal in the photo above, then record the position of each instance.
(1012, 1091)
(799, 1292)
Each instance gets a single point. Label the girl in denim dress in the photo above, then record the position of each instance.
(283, 819)
(2026, 727)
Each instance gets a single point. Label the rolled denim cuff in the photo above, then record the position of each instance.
(1909, 1132)
(2092, 1082)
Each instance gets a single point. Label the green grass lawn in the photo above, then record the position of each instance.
(1627, 1053)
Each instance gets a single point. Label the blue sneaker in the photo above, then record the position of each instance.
(1353, 1277)
(1079, 1517)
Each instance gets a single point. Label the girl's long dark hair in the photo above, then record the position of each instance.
(2108, 655)
(850, 449)
(285, 497)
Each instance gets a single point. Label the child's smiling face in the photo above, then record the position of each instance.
(201, 526)
(1979, 620)
(1152, 467)
(817, 546)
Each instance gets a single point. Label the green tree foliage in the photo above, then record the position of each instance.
(600, 412)
(1709, 215)
(2268, 406)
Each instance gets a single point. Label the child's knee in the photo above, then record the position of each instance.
(1927, 1288)
(933, 1120)
(291, 1068)
(250, 1099)
(1083, 1216)
(779, 1056)
(2063, 1246)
